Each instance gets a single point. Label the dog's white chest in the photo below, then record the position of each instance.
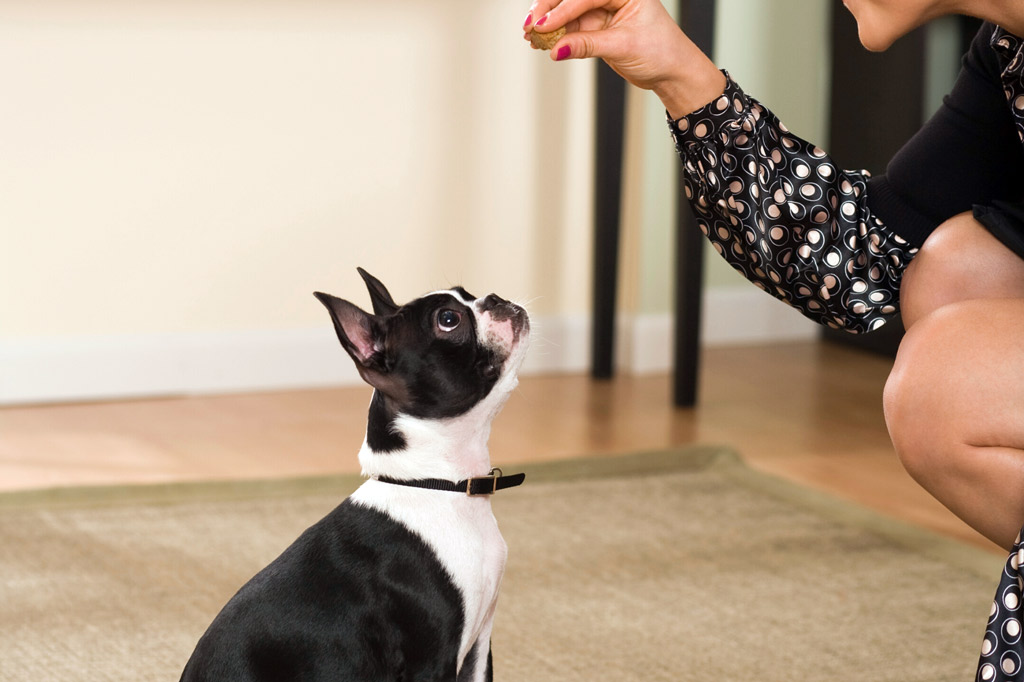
(463, 533)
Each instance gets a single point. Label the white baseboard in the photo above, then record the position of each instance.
(115, 367)
(131, 366)
(729, 316)
(747, 315)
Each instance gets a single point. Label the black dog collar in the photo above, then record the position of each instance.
(478, 485)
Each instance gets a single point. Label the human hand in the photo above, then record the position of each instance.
(636, 38)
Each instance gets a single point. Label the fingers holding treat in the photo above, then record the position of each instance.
(548, 21)
(539, 28)
(546, 41)
(549, 15)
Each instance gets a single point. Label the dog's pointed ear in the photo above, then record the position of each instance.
(362, 337)
(383, 304)
(358, 331)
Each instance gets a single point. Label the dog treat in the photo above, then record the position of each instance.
(546, 41)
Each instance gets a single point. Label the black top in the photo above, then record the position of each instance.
(834, 243)
(968, 153)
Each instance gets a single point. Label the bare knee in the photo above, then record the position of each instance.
(952, 409)
(932, 400)
(959, 261)
(913, 398)
(902, 420)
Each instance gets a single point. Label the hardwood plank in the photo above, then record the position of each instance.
(809, 412)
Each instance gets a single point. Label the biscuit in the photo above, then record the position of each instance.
(546, 41)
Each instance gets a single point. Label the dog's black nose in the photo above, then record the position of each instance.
(491, 302)
(501, 310)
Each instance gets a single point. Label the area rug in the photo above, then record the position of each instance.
(683, 565)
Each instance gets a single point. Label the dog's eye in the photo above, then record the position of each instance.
(448, 320)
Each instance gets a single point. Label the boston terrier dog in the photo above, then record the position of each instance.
(399, 582)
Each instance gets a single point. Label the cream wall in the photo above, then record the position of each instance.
(177, 166)
(177, 178)
(778, 51)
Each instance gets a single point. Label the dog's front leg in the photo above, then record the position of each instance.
(478, 667)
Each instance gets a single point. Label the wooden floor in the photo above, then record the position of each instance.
(808, 412)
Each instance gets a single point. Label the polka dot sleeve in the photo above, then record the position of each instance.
(780, 211)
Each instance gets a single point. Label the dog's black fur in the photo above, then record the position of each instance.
(356, 597)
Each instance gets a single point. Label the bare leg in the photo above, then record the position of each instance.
(955, 409)
(954, 402)
(960, 261)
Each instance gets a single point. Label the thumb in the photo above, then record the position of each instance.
(586, 44)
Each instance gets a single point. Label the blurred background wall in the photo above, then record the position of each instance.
(176, 178)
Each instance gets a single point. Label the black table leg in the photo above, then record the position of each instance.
(697, 17)
(609, 134)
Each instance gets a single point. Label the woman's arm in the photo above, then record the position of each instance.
(832, 243)
(780, 211)
(775, 207)
(835, 243)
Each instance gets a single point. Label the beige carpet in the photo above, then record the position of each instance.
(665, 566)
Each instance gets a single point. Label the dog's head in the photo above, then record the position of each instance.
(438, 357)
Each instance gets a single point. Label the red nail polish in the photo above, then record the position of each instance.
(563, 53)
(540, 22)
(529, 18)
